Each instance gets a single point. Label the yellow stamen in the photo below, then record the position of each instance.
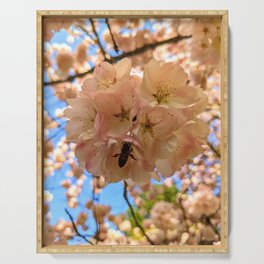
(123, 115)
(163, 92)
(106, 83)
(87, 120)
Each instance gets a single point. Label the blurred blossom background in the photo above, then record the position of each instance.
(183, 209)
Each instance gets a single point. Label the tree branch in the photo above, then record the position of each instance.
(208, 222)
(95, 214)
(98, 40)
(150, 46)
(205, 219)
(60, 128)
(111, 34)
(85, 31)
(76, 229)
(217, 152)
(134, 216)
(70, 78)
(123, 55)
(182, 208)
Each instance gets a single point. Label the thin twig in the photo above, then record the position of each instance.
(76, 229)
(95, 215)
(98, 40)
(208, 221)
(70, 78)
(123, 55)
(112, 35)
(134, 216)
(86, 32)
(183, 209)
(60, 128)
(217, 153)
(150, 46)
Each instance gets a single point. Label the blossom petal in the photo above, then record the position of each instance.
(149, 87)
(104, 71)
(117, 128)
(123, 68)
(92, 156)
(74, 128)
(161, 76)
(89, 87)
(164, 167)
(139, 175)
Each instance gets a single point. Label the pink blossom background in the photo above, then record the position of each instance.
(183, 209)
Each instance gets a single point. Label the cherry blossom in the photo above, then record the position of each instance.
(107, 77)
(162, 124)
(81, 54)
(83, 119)
(53, 25)
(101, 158)
(120, 110)
(166, 84)
(183, 144)
(137, 127)
(200, 203)
(155, 124)
(64, 60)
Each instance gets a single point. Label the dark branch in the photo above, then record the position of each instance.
(111, 34)
(123, 55)
(60, 129)
(70, 78)
(98, 40)
(217, 152)
(208, 222)
(76, 229)
(183, 209)
(149, 47)
(85, 31)
(95, 215)
(134, 216)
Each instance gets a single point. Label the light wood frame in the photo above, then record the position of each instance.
(158, 249)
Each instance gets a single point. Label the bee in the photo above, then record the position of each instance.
(126, 152)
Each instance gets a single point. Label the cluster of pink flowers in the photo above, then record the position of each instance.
(55, 25)
(184, 220)
(128, 128)
(201, 203)
(156, 116)
(206, 38)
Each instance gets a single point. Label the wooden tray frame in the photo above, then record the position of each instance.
(158, 249)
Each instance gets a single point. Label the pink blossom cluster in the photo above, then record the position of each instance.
(174, 222)
(206, 40)
(131, 128)
(201, 203)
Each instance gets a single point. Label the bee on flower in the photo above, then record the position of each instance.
(133, 129)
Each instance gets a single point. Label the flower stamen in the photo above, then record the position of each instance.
(123, 115)
(163, 92)
(87, 120)
(147, 127)
(106, 83)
